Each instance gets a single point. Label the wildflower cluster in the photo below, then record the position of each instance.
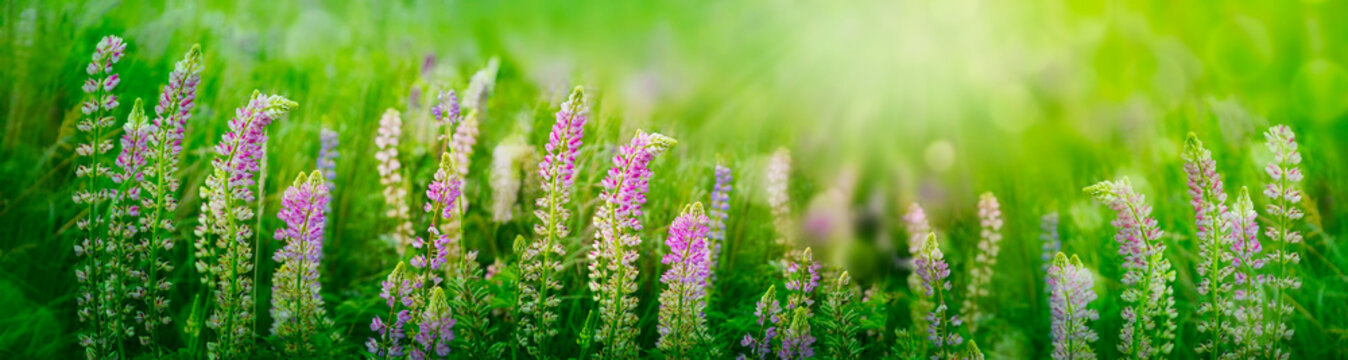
(1149, 318)
(613, 271)
(541, 260)
(296, 306)
(1208, 197)
(224, 255)
(683, 322)
(1071, 291)
(1284, 211)
(989, 245)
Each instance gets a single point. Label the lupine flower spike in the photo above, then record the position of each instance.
(123, 213)
(1248, 315)
(989, 245)
(942, 331)
(104, 330)
(1051, 238)
(1208, 197)
(398, 292)
(1149, 316)
(159, 198)
(327, 157)
(224, 251)
(1284, 213)
(541, 261)
(505, 177)
(613, 271)
(718, 212)
(840, 320)
(778, 175)
(296, 305)
(683, 322)
(769, 314)
(915, 221)
(796, 340)
(1071, 291)
(391, 178)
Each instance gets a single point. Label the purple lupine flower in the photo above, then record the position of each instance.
(1284, 212)
(441, 195)
(613, 257)
(719, 211)
(436, 328)
(160, 187)
(296, 304)
(446, 113)
(94, 273)
(683, 323)
(1051, 238)
(779, 198)
(397, 291)
(918, 228)
(542, 257)
(1071, 291)
(1208, 197)
(931, 267)
(796, 340)
(802, 277)
(989, 245)
(769, 314)
(1248, 312)
(1149, 317)
(224, 250)
(391, 178)
(327, 155)
(915, 221)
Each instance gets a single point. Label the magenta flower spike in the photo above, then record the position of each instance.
(683, 321)
(613, 257)
(1208, 197)
(1249, 303)
(1284, 213)
(298, 316)
(541, 259)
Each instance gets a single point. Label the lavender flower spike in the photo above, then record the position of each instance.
(1284, 213)
(436, 327)
(919, 228)
(224, 249)
(613, 257)
(93, 274)
(989, 245)
(1048, 234)
(683, 322)
(943, 332)
(796, 340)
(1209, 201)
(398, 292)
(159, 190)
(1072, 289)
(391, 178)
(718, 212)
(327, 155)
(296, 306)
(542, 257)
(769, 314)
(441, 195)
(1149, 316)
(1248, 313)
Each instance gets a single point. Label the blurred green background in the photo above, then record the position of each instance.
(881, 103)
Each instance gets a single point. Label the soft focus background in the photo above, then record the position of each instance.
(881, 103)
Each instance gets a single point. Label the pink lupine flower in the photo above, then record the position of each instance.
(1248, 311)
(160, 187)
(1071, 291)
(613, 257)
(683, 322)
(943, 332)
(915, 221)
(1149, 316)
(1283, 213)
(769, 314)
(224, 251)
(296, 305)
(391, 178)
(94, 272)
(989, 245)
(1208, 198)
(541, 258)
